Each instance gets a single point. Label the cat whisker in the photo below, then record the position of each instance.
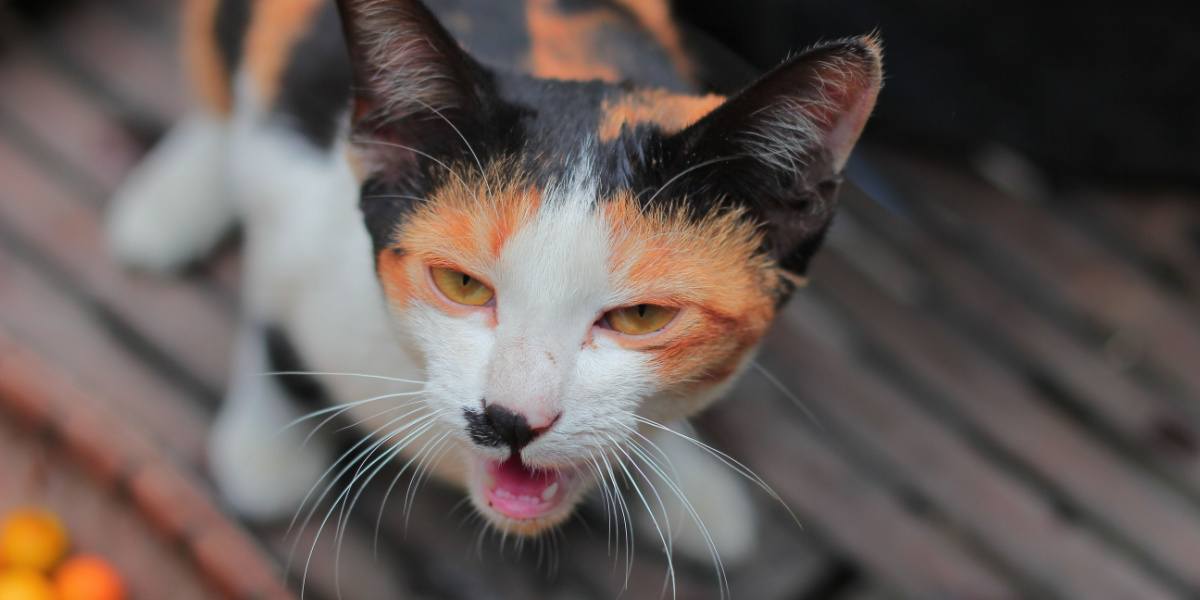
(343, 408)
(358, 424)
(680, 174)
(374, 466)
(341, 374)
(774, 381)
(419, 153)
(725, 459)
(625, 515)
(722, 578)
(462, 137)
(665, 537)
(359, 459)
(423, 469)
(345, 455)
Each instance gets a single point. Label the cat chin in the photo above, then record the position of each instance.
(522, 501)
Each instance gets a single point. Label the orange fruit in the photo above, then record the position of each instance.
(86, 577)
(25, 584)
(32, 538)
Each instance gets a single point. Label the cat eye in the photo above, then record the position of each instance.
(640, 319)
(460, 287)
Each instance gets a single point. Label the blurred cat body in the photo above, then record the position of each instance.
(510, 263)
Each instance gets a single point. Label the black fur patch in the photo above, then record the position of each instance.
(282, 357)
(315, 89)
(480, 429)
(230, 24)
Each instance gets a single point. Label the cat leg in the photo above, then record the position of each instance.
(175, 205)
(718, 496)
(262, 467)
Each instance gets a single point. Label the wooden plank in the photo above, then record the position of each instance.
(1151, 425)
(144, 77)
(1162, 226)
(134, 472)
(175, 317)
(1057, 259)
(56, 112)
(847, 507)
(972, 386)
(47, 319)
(980, 500)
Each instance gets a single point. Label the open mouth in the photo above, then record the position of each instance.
(524, 495)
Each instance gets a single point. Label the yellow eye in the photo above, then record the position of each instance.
(460, 287)
(640, 318)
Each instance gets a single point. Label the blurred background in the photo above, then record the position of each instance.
(991, 389)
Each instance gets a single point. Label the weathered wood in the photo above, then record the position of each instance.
(189, 328)
(53, 110)
(46, 318)
(863, 410)
(172, 510)
(142, 77)
(842, 504)
(1150, 424)
(998, 405)
(1053, 258)
(1164, 227)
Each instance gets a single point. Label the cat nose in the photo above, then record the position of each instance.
(501, 425)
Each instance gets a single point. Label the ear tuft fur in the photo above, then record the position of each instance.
(833, 87)
(404, 61)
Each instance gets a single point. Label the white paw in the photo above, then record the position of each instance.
(264, 476)
(719, 499)
(173, 207)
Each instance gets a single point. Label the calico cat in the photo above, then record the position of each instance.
(513, 265)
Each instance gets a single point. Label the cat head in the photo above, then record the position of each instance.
(573, 260)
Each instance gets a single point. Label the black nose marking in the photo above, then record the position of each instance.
(496, 426)
(509, 426)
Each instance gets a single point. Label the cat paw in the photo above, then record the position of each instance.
(265, 477)
(719, 499)
(172, 208)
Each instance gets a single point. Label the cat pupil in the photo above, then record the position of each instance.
(641, 308)
(466, 280)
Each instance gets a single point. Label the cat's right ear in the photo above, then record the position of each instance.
(414, 89)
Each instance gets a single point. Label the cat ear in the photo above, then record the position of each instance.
(413, 84)
(779, 145)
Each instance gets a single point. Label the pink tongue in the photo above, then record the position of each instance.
(518, 491)
(519, 480)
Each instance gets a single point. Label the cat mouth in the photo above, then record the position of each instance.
(522, 498)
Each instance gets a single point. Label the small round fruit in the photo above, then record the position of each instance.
(25, 584)
(33, 539)
(86, 577)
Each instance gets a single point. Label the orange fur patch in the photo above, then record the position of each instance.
(672, 112)
(465, 224)
(201, 57)
(711, 268)
(562, 45)
(275, 27)
(655, 16)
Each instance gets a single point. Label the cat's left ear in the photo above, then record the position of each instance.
(416, 91)
(779, 146)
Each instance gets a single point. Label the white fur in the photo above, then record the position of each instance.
(309, 270)
(175, 205)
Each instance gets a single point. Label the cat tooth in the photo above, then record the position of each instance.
(549, 492)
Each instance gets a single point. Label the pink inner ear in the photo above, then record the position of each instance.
(857, 102)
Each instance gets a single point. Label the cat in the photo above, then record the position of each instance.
(516, 262)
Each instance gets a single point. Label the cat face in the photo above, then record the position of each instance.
(572, 260)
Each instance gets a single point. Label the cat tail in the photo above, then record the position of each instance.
(175, 205)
